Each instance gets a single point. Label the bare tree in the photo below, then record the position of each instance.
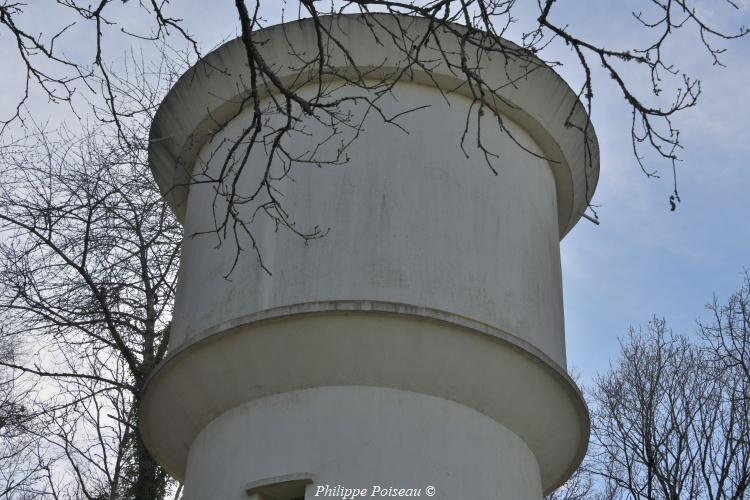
(725, 452)
(643, 415)
(89, 250)
(475, 28)
(728, 334)
(88, 260)
(671, 419)
(580, 486)
(21, 468)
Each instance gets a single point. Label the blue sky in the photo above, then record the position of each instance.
(643, 259)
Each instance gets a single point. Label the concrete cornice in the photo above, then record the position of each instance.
(211, 93)
(224, 368)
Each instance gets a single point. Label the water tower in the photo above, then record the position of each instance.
(419, 345)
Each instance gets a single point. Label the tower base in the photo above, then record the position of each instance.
(360, 442)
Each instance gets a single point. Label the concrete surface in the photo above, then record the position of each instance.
(422, 338)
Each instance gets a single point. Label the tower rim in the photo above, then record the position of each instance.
(179, 386)
(212, 92)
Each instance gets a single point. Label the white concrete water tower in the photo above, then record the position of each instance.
(420, 343)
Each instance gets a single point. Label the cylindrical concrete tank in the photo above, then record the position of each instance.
(420, 342)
